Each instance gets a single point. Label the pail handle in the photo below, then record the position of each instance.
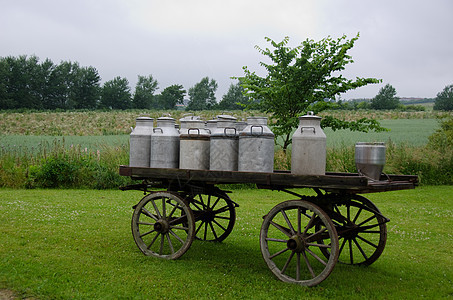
(197, 129)
(258, 126)
(232, 128)
(158, 128)
(302, 129)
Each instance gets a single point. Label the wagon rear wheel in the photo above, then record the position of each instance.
(215, 216)
(291, 238)
(163, 225)
(361, 229)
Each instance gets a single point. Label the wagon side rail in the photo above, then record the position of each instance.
(332, 182)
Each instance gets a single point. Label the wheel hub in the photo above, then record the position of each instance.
(296, 243)
(161, 226)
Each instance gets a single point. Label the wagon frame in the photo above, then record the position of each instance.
(301, 240)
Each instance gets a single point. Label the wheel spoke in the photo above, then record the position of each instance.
(307, 262)
(213, 230)
(288, 222)
(176, 236)
(360, 249)
(310, 224)
(156, 209)
(215, 203)
(164, 208)
(218, 224)
(299, 221)
(298, 266)
(342, 245)
(154, 239)
(319, 245)
(278, 253)
(276, 240)
(147, 213)
(367, 241)
(366, 221)
(316, 236)
(351, 257)
(199, 227)
(356, 216)
(316, 256)
(287, 262)
(281, 228)
(145, 223)
(162, 241)
(170, 243)
(146, 233)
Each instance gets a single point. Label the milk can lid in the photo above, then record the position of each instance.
(309, 116)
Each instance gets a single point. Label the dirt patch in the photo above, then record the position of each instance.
(7, 295)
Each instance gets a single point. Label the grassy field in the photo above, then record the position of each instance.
(414, 132)
(60, 244)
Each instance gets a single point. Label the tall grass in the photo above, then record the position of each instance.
(55, 165)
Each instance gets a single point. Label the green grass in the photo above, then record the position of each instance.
(414, 132)
(60, 244)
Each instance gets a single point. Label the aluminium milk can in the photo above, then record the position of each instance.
(140, 142)
(256, 146)
(308, 155)
(165, 144)
(370, 159)
(194, 144)
(224, 145)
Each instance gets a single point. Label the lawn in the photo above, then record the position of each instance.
(78, 244)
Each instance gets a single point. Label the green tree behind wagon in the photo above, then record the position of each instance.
(202, 95)
(386, 98)
(444, 99)
(301, 79)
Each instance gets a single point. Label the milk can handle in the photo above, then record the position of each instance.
(197, 129)
(258, 126)
(225, 131)
(302, 128)
(158, 128)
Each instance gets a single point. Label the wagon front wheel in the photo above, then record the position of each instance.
(215, 215)
(291, 239)
(163, 225)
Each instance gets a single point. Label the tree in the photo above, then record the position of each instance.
(234, 99)
(144, 92)
(170, 96)
(386, 98)
(303, 79)
(86, 88)
(116, 94)
(444, 99)
(202, 95)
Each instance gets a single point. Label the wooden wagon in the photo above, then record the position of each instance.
(301, 240)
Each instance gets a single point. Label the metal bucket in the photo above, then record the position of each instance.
(165, 144)
(224, 149)
(370, 159)
(256, 147)
(194, 149)
(140, 142)
(308, 154)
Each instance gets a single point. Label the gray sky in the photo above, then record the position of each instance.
(408, 44)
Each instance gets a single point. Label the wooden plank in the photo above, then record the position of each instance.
(330, 181)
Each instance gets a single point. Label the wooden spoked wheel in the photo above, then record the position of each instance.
(215, 216)
(361, 229)
(291, 238)
(163, 225)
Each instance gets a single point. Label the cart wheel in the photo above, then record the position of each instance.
(361, 229)
(163, 225)
(215, 216)
(291, 238)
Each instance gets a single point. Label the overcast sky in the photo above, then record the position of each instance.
(408, 44)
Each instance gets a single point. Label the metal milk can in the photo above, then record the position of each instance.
(224, 145)
(308, 155)
(256, 146)
(194, 144)
(370, 159)
(140, 142)
(165, 144)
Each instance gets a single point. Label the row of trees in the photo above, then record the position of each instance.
(387, 99)
(27, 83)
